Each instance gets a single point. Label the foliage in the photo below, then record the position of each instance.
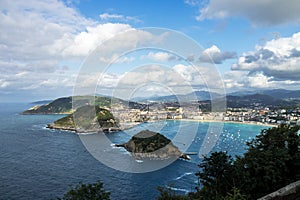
(64, 105)
(271, 162)
(85, 118)
(148, 141)
(235, 195)
(61, 105)
(87, 192)
(169, 194)
(216, 175)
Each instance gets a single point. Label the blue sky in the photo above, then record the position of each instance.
(254, 44)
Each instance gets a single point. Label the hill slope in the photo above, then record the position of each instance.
(64, 105)
(58, 106)
(88, 119)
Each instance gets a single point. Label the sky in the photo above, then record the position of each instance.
(45, 46)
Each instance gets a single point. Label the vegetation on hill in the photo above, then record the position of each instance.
(148, 144)
(93, 191)
(87, 118)
(64, 105)
(271, 162)
(58, 106)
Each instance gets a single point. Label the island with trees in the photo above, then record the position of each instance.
(152, 145)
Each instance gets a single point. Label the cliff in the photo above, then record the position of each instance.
(148, 144)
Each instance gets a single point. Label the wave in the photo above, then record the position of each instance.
(179, 189)
(185, 174)
(114, 146)
(82, 133)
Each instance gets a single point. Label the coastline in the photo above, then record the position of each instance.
(124, 126)
(233, 122)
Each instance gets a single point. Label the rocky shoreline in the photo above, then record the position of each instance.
(96, 130)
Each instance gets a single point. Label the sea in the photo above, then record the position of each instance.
(38, 163)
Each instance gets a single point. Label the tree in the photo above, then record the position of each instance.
(87, 192)
(216, 175)
(271, 162)
(235, 195)
(169, 194)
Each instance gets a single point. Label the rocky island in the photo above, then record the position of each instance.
(88, 119)
(152, 145)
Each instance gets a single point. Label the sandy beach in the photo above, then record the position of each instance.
(235, 122)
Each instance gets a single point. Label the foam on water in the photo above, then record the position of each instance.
(185, 174)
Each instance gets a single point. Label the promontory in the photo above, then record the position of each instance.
(87, 119)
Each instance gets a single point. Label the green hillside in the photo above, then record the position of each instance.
(64, 105)
(58, 106)
(148, 144)
(87, 118)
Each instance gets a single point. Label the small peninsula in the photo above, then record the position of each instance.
(152, 145)
(88, 119)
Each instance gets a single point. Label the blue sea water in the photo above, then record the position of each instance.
(37, 163)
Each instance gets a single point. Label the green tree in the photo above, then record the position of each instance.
(169, 194)
(271, 162)
(87, 192)
(235, 195)
(216, 176)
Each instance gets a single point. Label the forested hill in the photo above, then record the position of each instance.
(64, 105)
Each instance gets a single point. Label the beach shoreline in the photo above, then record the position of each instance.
(233, 122)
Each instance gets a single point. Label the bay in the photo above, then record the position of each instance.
(37, 163)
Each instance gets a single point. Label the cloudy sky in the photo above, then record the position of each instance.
(44, 44)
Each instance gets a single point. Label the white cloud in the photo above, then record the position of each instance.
(200, 77)
(259, 12)
(214, 55)
(4, 84)
(272, 65)
(192, 2)
(161, 56)
(278, 58)
(29, 29)
(36, 36)
(117, 17)
(88, 40)
(234, 79)
(189, 73)
(242, 80)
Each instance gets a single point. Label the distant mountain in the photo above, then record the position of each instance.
(276, 93)
(254, 100)
(199, 95)
(266, 98)
(283, 94)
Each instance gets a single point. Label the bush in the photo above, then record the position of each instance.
(87, 192)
